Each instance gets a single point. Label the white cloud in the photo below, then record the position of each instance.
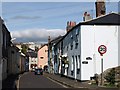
(36, 34)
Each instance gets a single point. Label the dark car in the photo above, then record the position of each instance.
(38, 71)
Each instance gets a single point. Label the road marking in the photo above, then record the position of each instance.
(57, 82)
(18, 82)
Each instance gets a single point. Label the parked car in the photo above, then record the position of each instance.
(38, 71)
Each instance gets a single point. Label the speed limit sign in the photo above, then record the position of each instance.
(102, 49)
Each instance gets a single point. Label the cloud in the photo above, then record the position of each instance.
(36, 35)
(25, 17)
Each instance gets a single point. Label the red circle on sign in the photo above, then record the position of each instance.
(102, 49)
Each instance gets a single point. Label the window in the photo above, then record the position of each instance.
(72, 72)
(72, 62)
(12, 52)
(79, 61)
(78, 71)
(41, 57)
(46, 50)
(88, 58)
(77, 31)
(84, 62)
(76, 61)
(76, 45)
(71, 47)
(67, 48)
(71, 36)
(76, 39)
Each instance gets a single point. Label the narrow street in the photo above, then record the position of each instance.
(29, 80)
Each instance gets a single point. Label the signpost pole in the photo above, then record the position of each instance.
(102, 50)
(101, 71)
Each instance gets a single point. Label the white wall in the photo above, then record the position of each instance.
(91, 38)
(32, 61)
(87, 50)
(107, 35)
(119, 45)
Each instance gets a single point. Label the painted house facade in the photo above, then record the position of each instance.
(5, 42)
(103, 30)
(32, 57)
(22, 63)
(51, 53)
(0, 52)
(77, 52)
(43, 56)
(14, 58)
(68, 54)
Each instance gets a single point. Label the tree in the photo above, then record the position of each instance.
(24, 48)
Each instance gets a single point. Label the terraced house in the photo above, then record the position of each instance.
(77, 52)
(12, 61)
(5, 42)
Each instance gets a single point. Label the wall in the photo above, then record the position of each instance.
(32, 60)
(43, 56)
(22, 63)
(91, 38)
(0, 51)
(13, 62)
(73, 70)
(87, 50)
(119, 44)
(58, 54)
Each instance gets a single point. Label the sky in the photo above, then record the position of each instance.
(35, 21)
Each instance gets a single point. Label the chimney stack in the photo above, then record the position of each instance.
(86, 16)
(70, 25)
(100, 8)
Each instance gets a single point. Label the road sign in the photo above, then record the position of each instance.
(102, 49)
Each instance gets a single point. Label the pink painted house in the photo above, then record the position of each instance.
(43, 56)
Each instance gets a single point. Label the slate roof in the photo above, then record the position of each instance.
(32, 54)
(57, 39)
(109, 19)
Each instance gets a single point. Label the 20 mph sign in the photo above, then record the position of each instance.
(102, 49)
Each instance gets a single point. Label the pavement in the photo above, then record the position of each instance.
(10, 82)
(76, 84)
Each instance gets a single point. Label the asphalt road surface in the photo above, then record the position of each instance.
(29, 80)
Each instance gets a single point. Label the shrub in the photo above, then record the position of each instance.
(110, 77)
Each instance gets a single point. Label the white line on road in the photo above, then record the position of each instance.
(18, 82)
